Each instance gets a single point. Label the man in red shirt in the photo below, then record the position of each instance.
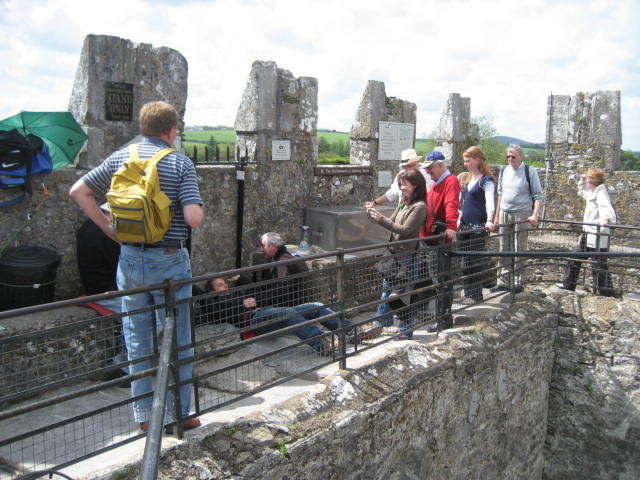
(443, 201)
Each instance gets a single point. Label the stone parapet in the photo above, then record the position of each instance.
(455, 132)
(375, 106)
(148, 73)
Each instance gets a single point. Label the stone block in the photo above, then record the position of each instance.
(370, 111)
(258, 109)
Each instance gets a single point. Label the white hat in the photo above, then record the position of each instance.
(409, 157)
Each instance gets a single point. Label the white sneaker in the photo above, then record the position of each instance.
(560, 288)
(467, 301)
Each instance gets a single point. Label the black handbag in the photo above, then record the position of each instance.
(388, 266)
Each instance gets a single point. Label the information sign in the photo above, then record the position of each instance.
(393, 138)
(280, 150)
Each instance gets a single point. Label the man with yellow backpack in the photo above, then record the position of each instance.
(154, 197)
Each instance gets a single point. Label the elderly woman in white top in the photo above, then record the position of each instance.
(598, 213)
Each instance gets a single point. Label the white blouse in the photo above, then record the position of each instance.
(597, 209)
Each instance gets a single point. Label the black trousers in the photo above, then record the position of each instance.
(602, 283)
(473, 266)
(444, 275)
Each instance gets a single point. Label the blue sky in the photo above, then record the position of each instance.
(506, 56)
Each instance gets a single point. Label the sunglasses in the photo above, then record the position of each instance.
(511, 156)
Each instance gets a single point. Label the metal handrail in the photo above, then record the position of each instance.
(340, 305)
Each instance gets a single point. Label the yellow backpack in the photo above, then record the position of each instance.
(140, 210)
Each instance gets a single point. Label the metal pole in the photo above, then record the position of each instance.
(149, 469)
(339, 302)
(241, 162)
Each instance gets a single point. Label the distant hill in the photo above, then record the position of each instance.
(523, 143)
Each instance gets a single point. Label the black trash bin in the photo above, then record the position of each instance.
(27, 276)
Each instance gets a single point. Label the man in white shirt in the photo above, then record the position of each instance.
(410, 161)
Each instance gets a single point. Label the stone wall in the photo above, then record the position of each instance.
(152, 74)
(594, 399)
(51, 221)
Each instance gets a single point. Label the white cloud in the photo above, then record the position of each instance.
(506, 56)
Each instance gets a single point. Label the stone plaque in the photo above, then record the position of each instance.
(340, 170)
(393, 138)
(118, 101)
(280, 150)
(385, 178)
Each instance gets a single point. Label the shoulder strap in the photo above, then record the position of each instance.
(159, 155)
(526, 175)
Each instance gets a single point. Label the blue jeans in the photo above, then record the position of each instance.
(313, 310)
(384, 309)
(288, 317)
(137, 268)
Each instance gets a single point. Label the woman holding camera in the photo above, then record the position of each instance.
(404, 223)
(598, 213)
(475, 220)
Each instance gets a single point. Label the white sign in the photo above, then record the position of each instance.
(280, 150)
(393, 138)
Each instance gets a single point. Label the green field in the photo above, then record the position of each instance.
(221, 136)
(227, 136)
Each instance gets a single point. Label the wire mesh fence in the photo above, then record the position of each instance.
(61, 394)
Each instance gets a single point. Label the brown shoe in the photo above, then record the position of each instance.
(186, 425)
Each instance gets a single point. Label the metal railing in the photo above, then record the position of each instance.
(62, 373)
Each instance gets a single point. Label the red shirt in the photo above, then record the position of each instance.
(443, 199)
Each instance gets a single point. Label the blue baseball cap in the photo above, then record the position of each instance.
(434, 156)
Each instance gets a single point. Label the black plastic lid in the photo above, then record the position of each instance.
(28, 258)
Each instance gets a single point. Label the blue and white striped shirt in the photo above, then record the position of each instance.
(178, 180)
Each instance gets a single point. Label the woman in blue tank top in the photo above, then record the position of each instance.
(475, 220)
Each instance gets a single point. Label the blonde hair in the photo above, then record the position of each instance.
(157, 118)
(595, 176)
(477, 153)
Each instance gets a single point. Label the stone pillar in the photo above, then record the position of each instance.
(583, 131)
(115, 77)
(376, 107)
(455, 132)
(277, 106)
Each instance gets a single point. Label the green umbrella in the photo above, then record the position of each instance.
(59, 130)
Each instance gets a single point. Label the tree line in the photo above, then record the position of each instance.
(340, 147)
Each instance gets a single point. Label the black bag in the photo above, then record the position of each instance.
(438, 227)
(21, 157)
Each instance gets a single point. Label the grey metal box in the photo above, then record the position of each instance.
(345, 226)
